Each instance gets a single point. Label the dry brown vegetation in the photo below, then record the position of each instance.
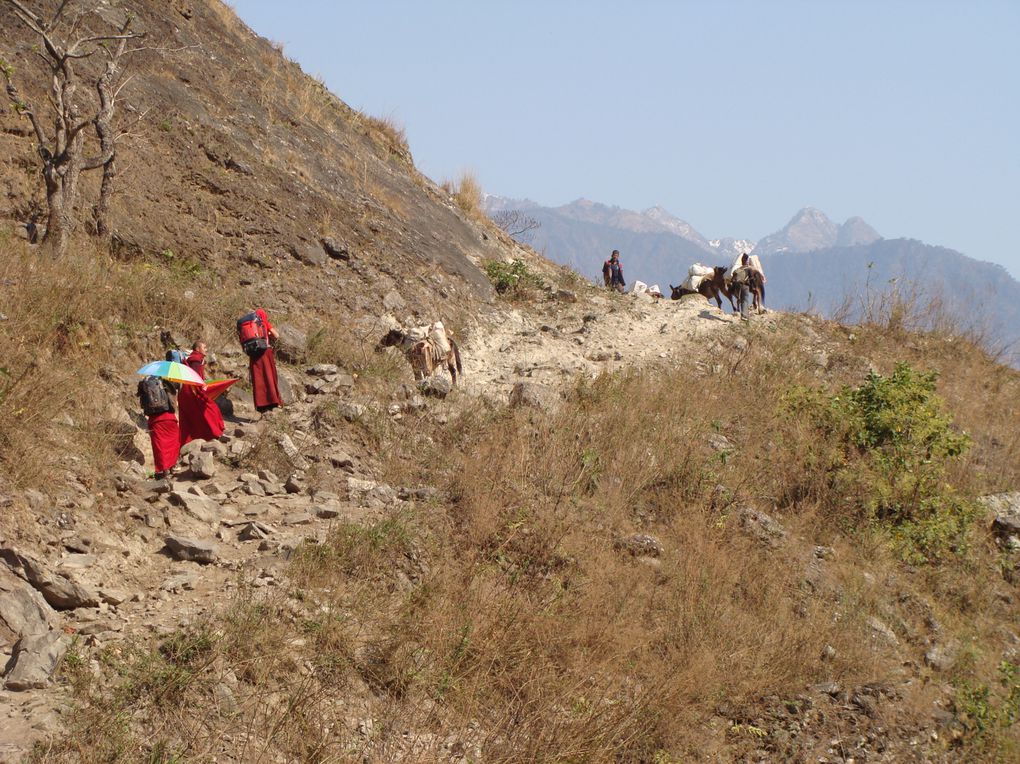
(507, 616)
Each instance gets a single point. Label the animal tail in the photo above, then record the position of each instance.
(456, 356)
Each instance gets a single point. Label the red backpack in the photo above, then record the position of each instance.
(252, 334)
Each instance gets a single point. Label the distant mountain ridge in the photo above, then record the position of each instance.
(812, 262)
(811, 229)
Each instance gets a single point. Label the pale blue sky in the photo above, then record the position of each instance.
(732, 115)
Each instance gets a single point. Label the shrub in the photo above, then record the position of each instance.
(511, 279)
(891, 443)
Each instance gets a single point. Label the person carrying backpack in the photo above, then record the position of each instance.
(255, 334)
(200, 417)
(156, 398)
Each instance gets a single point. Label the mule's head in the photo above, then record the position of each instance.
(393, 338)
(720, 271)
(675, 292)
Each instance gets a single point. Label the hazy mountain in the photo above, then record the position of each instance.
(811, 229)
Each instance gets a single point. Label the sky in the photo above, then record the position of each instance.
(731, 114)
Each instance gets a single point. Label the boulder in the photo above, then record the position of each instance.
(22, 609)
(352, 412)
(197, 504)
(309, 254)
(323, 370)
(59, 591)
(291, 452)
(288, 387)
(34, 660)
(719, 442)
(191, 550)
(436, 386)
(203, 465)
(335, 248)
(393, 301)
(640, 545)
(292, 343)
(761, 526)
(532, 395)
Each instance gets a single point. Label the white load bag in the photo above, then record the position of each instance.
(700, 270)
(437, 333)
(418, 333)
(654, 290)
(639, 287)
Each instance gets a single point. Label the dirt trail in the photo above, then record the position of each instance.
(252, 521)
(601, 332)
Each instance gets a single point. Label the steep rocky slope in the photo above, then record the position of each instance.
(244, 164)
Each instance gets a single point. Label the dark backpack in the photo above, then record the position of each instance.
(177, 356)
(153, 397)
(252, 334)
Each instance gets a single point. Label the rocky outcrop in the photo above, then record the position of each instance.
(59, 590)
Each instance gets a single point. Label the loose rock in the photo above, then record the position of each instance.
(191, 550)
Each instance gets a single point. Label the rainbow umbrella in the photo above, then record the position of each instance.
(173, 371)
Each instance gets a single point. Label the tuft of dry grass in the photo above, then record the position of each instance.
(468, 195)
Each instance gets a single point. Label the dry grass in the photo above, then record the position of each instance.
(69, 325)
(505, 616)
(468, 194)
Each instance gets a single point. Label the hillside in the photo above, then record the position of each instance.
(636, 530)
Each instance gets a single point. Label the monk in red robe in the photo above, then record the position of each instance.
(264, 386)
(200, 416)
(164, 434)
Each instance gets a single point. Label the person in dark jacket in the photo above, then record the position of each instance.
(612, 272)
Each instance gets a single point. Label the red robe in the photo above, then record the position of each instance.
(200, 416)
(166, 440)
(264, 386)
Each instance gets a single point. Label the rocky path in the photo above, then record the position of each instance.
(604, 332)
(160, 555)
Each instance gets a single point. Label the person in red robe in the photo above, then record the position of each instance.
(165, 436)
(265, 388)
(200, 416)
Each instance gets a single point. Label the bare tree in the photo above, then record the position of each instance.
(74, 114)
(515, 223)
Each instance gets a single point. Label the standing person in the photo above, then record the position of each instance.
(740, 279)
(200, 416)
(255, 333)
(157, 400)
(612, 272)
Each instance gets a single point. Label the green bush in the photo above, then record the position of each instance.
(986, 713)
(513, 278)
(890, 442)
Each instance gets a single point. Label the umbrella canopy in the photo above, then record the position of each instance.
(172, 371)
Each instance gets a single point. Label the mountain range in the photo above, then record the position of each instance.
(813, 262)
